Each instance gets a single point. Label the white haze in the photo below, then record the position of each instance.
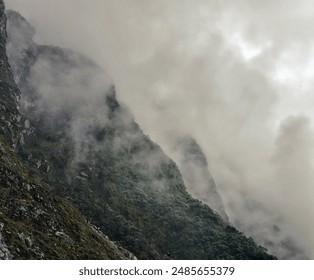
(236, 75)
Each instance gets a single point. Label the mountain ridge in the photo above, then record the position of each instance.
(88, 150)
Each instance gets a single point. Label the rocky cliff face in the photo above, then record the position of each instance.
(88, 149)
(9, 120)
(34, 223)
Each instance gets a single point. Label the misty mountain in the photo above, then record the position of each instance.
(34, 223)
(86, 148)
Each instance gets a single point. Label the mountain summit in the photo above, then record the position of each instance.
(83, 148)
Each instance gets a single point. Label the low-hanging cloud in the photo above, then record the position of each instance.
(236, 75)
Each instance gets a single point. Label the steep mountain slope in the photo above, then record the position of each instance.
(35, 224)
(83, 142)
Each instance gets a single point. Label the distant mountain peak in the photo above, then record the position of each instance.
(21, 30)
(195, 171)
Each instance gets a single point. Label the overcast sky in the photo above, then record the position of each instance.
(236, 75)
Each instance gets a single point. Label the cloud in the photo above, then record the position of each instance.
(234, 74)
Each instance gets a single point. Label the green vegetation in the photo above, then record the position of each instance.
(38, 225)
